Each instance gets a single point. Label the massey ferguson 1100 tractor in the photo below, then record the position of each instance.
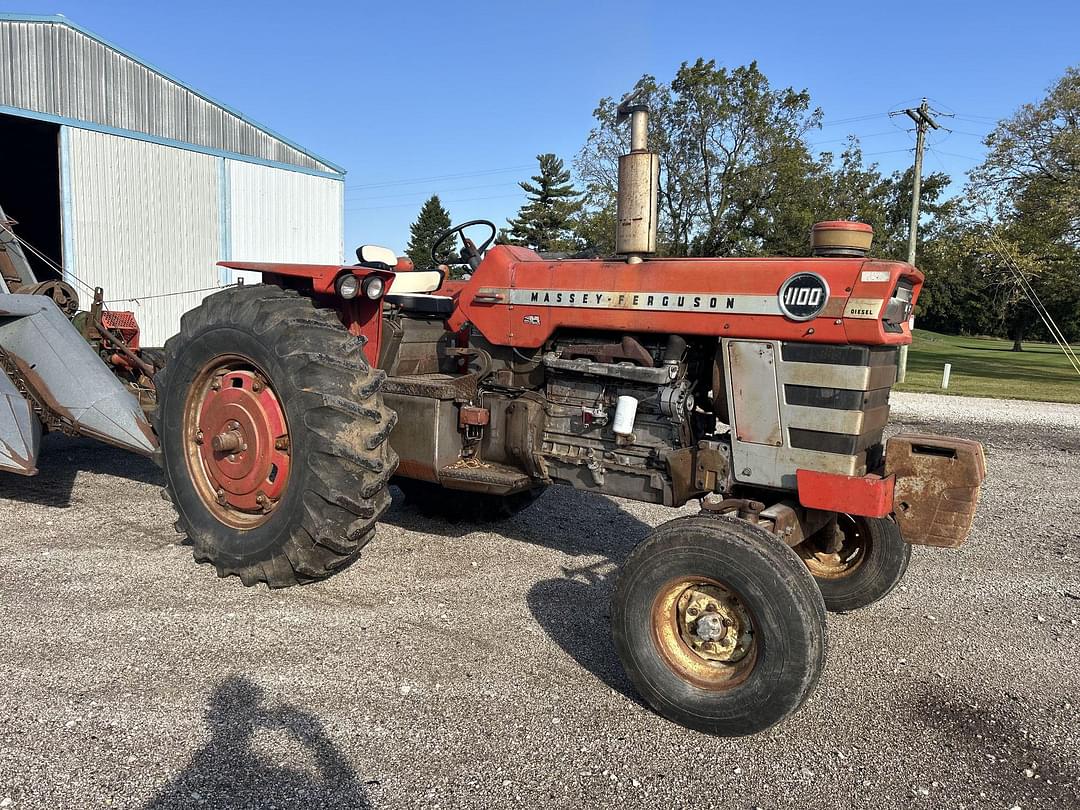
(758, 386)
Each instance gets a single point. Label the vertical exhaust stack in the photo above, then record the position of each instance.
(639, 181)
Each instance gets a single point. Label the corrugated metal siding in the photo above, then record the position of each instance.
(282, 216)
(145, 223)
(52, 68)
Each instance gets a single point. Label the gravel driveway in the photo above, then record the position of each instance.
(459, 667)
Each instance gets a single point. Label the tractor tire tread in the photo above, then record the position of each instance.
(345, 424)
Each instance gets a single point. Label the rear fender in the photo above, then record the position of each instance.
(322, 276)
(360, 315)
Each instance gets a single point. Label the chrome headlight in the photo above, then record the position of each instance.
(374, 287)
(348, 286)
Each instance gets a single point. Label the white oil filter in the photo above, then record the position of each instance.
(625, 413)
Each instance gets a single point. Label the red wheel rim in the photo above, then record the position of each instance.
(237, 441)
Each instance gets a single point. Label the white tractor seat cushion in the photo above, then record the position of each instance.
(416, 281)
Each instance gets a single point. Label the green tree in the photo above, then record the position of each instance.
(547, 221)
(1029, 188)
(733, 158)
(432, 220)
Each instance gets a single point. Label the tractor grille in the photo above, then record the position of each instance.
(840, 410)
(807, 406)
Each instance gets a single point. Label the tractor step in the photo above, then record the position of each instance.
(482, 476)
(457, 387)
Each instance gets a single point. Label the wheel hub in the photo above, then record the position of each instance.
(836, 551)
(713, 623)
(704, 632)
(241, 438)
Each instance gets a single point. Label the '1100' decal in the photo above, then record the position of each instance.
(803, 296)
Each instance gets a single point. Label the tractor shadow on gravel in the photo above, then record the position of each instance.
(231, 771)
(573, 608)
(993, 738)
(62, 458)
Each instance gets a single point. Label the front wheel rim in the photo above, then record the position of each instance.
(704, 632)
(237, 442)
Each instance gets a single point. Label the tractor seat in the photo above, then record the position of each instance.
(412, 290)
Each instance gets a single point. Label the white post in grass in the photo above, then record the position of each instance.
(945, 375)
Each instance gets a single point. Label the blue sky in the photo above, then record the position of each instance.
(402, 93)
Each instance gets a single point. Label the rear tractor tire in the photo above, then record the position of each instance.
(718, 625)
(860, 564)
(273, 437)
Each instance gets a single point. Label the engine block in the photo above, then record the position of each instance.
(580, 446)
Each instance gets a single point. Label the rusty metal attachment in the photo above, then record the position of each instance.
(63, 380)
(241, 473)
(704, 632)
(63, 295)
(742, 508)
(937, 487)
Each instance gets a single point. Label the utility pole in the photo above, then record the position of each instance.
(923, 120)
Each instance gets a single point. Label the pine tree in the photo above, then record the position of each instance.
(546, 221)
(432, 220)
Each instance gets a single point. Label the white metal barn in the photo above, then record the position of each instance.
(133, 181)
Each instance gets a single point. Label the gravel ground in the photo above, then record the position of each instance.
(458, 667)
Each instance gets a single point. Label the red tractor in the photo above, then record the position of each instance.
(758, 386)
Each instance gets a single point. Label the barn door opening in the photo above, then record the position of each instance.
(30, 189)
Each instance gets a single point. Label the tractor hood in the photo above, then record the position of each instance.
(517, 298)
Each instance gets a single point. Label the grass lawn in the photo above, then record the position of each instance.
(986, 367)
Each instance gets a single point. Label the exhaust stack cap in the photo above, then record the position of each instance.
(841, 238)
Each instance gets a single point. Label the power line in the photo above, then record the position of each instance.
(887, 152)
(414, 193)
(838, 121)
(957, 155)
(411, 204)
(853, 135)
(415, 180)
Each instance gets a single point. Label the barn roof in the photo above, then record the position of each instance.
(54, 69)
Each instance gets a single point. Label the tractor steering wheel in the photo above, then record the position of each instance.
(470, 253)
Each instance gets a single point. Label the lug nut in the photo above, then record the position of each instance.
(198, 437)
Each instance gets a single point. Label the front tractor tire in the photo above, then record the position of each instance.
(273, 437)
(858, 562)
(718, 625)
